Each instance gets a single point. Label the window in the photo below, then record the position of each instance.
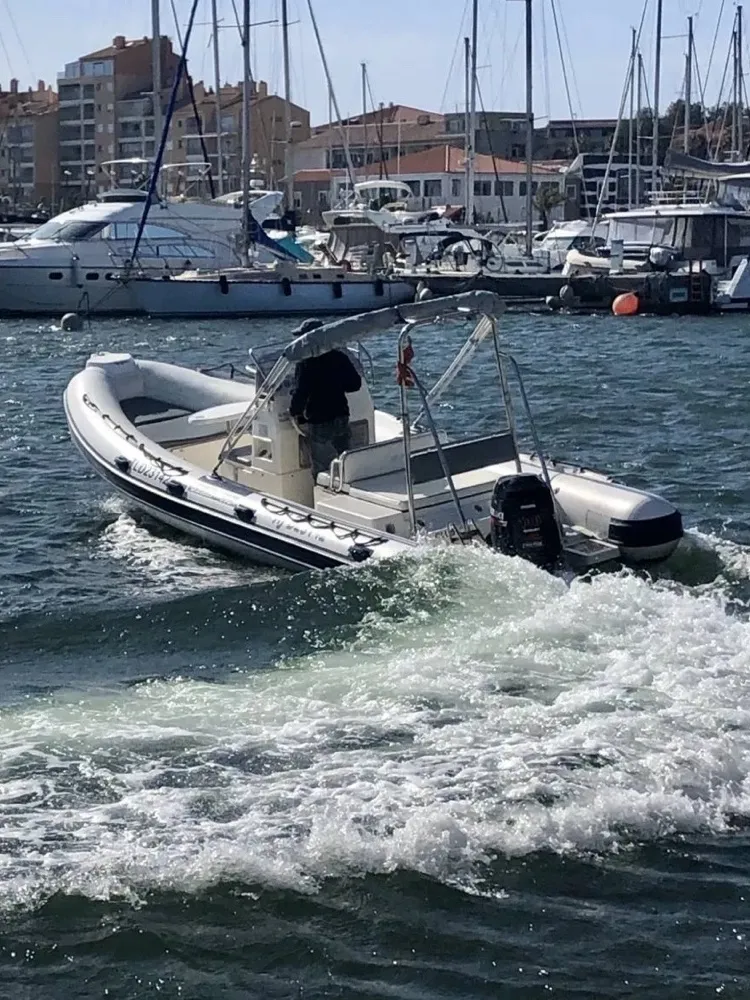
(110, 128)
(570, 192)
(433, 188)
(68, 231)
(522, 189)
(482, 188)
(100, 127)
(455, 187)
(504, 189)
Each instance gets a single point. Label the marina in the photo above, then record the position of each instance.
(375, 578)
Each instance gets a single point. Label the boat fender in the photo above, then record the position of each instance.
(71, 322)
(378, 286)
(566, 295)
(358, 553)
(223, 284)
(338, 291)
(122, 463)
(286, 286)
(174, 488)
(245, 514)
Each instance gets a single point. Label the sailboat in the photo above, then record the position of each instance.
(285, 287)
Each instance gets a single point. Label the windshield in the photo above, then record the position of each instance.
(644, 231)
(67, 231)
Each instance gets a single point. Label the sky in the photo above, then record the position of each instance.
(413, 48)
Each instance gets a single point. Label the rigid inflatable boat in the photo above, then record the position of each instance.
(218, 455)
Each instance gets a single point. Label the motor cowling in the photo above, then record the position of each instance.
(522, 520)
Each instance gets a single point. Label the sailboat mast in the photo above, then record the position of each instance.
(638, 134)
(740, 103)
(288, 151)
(688, 86)
(472, 111)
(332, 94)
(156, 69)
(364, 117)
(657, 79)
(630, 118)
(529, 132)
(246, 96)
(467, 123)
(217, 85)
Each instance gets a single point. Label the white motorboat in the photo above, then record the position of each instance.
(75, 261)
(703, 237)
(220, 458)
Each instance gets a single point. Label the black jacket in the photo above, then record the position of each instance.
(321, 387)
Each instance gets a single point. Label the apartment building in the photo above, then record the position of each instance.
(105, 101)
(391, 132)
(193, 141)
(28, 147)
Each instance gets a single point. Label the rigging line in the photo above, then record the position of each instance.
(565, 79)
(499, 187)
(713, 44)
(613, 145)
(545, 64)
(701, 91)
(572, 65)
(21, 46)
(453, 57)
(718, 100)
(383, 164)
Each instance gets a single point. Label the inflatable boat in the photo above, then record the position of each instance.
(218, 455)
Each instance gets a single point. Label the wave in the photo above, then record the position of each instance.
(430, 715)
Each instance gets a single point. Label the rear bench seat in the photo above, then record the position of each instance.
(379, 469)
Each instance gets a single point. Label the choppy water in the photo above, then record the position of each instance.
(449, 776)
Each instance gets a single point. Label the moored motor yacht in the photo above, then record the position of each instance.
(74, 261)
(221, 458)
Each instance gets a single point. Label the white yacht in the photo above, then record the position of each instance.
(695, 235)
(550, 249)
(75, 261)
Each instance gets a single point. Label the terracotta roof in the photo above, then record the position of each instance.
(112, 50)
(450, 160)
(436, 160)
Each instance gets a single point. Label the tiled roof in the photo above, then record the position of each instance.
(436, 160)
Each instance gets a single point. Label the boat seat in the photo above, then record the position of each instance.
(144, 410)
(378, 472)
(377, 459)
(217, 418)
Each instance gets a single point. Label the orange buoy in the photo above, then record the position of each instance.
(626, 304)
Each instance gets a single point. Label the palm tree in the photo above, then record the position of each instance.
(547, 197)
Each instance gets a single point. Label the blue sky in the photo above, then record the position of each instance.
(412, 47)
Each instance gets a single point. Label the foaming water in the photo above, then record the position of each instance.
(165, 559)
(507, 713)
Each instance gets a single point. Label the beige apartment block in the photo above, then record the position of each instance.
(28, 148)
(268, 135)
(106, 101)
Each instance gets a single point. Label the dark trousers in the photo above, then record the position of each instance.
(327, 441)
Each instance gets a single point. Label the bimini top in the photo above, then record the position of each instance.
(351, 328)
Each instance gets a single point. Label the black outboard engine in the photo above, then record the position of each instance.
(522, 520)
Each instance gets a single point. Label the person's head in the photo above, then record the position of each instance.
(306, 326)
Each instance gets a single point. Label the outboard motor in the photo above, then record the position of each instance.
(522, 520)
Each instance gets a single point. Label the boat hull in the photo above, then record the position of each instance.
(319, 294)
